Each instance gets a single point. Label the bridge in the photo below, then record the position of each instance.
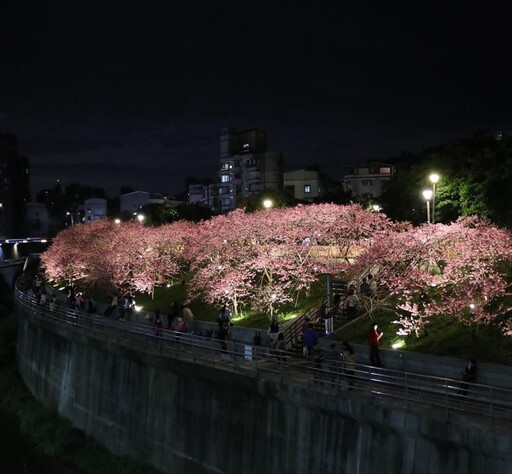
(51, 358)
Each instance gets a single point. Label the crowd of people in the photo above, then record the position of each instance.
(336, 362)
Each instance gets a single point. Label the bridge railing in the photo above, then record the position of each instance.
(314, 373)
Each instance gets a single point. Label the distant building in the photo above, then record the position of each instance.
(368, 180)
(246, 167)
(14, 187)
(304, 184)
(94, 209)
(202, 194)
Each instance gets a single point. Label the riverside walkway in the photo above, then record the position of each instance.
(485, 402)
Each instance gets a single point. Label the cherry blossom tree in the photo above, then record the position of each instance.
(276, 254)
(127, 256)
(455, 270)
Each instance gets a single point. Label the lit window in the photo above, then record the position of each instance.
(307, 188)
(224, 178)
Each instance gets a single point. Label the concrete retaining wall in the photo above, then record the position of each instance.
(184, 417)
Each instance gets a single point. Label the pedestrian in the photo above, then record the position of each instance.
(91, 306)
(364, 288)
(273, 332)
(222, 336)
(112, 306)
(372, 285)
(188, 316)
(374, 337)
(334, 359)
(305, 325)
(349, 364)
(175, 313)
(351, 302)
(468, 376)
(310, 340)
(281, 347)
(224, 321)
(224, 315)
(157, 325)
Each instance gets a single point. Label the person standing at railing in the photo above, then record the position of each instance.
(188, 317)
(53, 304)
(273, 332)
(468, 375)
(374, 337)
(157, 324)
(334, 359)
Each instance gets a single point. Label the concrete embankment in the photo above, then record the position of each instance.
(186, 417)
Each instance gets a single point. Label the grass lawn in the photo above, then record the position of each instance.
(445, 336)
(164, 296)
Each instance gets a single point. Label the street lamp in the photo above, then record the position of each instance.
(427, 194)
(434, 179)
(140, 218)
(267, 203)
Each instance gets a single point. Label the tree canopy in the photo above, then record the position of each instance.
(476, 175)
(265, 259)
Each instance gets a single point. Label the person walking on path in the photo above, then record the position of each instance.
(374, 337)
(157, 324)
(468, 376)
(273, 332)
(334, 359)
(310, 339)
(188, 316)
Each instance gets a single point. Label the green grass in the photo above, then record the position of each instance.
(164, 296)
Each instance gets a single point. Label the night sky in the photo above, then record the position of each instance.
(135, 93)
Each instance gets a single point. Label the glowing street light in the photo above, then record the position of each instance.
(427, 194)
(117, 221)
(140, 218)
(434, 179)
(267, 203)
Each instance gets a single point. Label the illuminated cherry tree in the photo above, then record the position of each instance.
(457, 270)
(276, 254)
(125, 256)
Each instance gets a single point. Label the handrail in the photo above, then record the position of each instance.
(293, 330)
(453, 396)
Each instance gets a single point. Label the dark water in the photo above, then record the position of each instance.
(17, 455)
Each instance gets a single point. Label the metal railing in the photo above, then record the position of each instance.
(313, 373)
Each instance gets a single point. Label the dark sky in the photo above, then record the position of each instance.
(135, 93)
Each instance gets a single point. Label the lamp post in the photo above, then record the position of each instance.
(427, 194)
(434, 179)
